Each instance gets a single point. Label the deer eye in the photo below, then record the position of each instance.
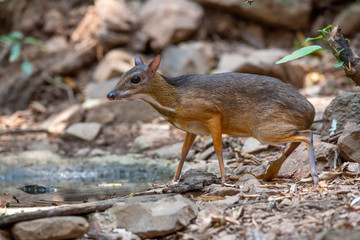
(135, 79)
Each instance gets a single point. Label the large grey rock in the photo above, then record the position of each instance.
(154, 219)
(114, 64)
(121, 111)
(50, 228)
(253, 145)
(349, 20)
(166, 22)
(84, 131)
(349, 142)
(299, 160)
(187, 58)
(262, 62)
(292, 14)
(57, 123)
(344, 108)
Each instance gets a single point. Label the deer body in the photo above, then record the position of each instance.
(237, 104)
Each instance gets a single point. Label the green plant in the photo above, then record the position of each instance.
(17, 40)
(313, 48)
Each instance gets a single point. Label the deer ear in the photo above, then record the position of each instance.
(138, 60)
(153, 66)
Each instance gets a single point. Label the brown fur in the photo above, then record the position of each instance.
(226, 103)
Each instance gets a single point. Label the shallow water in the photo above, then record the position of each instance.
(54, 185)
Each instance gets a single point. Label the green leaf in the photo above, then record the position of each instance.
(300, 53)
(324, 30)
(314, 38)
(34, 41)
(339, 64)
(15, 52)
(26, 67)
(17, 35)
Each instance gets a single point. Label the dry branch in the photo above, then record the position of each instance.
(347, 55)
(76, 209)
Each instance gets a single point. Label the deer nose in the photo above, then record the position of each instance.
(111, 96)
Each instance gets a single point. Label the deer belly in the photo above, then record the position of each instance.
(192, 127)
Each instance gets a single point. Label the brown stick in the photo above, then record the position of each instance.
(347, 55)
(75, 209)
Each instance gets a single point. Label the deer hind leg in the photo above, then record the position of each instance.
(275, 166)
(305, 136)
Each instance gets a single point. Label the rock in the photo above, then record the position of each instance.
(252, 145)
(285, 203)
(152, 136)
(249, 183)
(57, 123)
(344, 234)
(85, 131)
(262, 62)
(56, 44)
(120, 112)
(348, 19)
(193, 180)
(97, 152)
(299, 160)
(116, 22)
(154, 219)
(344, 108)
(187, 58)
(183, 17)
(54, 22)
(114, 64)
(51, 228)
(171, 152)
(218, 190)
(349, 142)
(290, 14)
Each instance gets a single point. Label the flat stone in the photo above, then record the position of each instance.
(154, 219)
(193, 180)
(84, 131)
(187, 58)
(51, 228)
(349, 142)
(57, 123)
(183, 17)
